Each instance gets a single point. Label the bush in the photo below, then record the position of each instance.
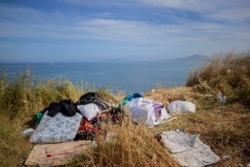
(229, 74)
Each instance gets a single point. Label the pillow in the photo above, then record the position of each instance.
(89, 111)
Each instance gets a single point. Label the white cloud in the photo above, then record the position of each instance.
(40, 25)
(22, 22)
(191, 5)
(101, 3)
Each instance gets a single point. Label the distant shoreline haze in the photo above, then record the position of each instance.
(197, 57)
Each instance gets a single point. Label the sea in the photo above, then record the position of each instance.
(128, 77)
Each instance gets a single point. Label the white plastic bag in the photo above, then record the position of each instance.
(221, 98)
(27, 132)
(181, 107)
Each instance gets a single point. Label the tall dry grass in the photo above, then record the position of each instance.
(128, 145)
(25, 94)
(229, 74)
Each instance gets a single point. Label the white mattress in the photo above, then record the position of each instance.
(59, 128)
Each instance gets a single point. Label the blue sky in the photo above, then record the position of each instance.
(97, 30)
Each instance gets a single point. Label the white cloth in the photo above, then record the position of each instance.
(188, 150)
(89, 111)
(178, 141)
(147, 111)
(181, 107)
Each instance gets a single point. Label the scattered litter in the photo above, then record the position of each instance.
(166, 121)
(224, 99)
(221, 98)
(208, 95)
(226, 157)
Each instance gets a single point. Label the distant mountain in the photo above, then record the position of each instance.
(194, 58)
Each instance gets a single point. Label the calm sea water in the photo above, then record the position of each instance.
(129, 77)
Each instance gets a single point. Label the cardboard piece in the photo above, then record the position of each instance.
(56, 154)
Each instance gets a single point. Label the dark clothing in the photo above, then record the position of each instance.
(66, 107)
(93, 97)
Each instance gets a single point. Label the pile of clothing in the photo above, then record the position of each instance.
(66, 121)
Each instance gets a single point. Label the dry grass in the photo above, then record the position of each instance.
(129, 145)
(229, 74)
(14, 149)
(224, 127)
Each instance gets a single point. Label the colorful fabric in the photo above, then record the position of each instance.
(128, 98)
(90, 129)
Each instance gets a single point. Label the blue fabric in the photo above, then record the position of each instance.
(131, 97)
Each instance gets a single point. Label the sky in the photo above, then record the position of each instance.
(120, 30)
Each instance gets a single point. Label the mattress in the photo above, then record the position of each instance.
(59, 128)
